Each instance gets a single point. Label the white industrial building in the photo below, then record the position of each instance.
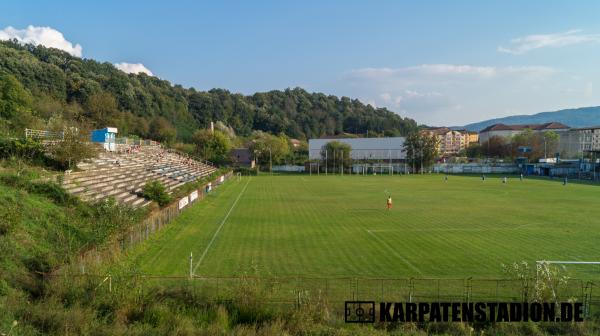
(384, 149)
(369, 155)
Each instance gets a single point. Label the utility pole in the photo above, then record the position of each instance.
(390, 156)
(256, 161)
(421, 158)
(333, 163)
(412, 159)
(325, 162)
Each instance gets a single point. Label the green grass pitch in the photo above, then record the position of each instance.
(337, 226)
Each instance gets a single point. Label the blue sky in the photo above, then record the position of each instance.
(442, 63)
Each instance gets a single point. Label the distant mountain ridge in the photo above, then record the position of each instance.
(578, 117)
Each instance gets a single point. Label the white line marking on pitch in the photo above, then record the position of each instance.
(219, 228)
(457, 229)
(395, 253)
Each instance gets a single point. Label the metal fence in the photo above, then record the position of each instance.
(476, 168)
(44, 134)
(144, 230)
(294, 291)
(136, 142)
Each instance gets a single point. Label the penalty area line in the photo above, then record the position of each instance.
(414, 268)
(219, 228)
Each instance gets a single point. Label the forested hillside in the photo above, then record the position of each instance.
(38, 84)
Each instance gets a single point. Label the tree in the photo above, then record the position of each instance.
(496, 147)
(15, 104)
(298, 153)
(551, 139)
(540, 144)
(269, 148)
(74, 148)
(337, 155)
(421, 150)
(212, 145)
(102, 108)
(161, 130)
(474, 151)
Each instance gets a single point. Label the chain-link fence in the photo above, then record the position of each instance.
(153, 223)
(294, 291)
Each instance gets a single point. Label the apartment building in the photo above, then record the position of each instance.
(575, 142)
(451, 142)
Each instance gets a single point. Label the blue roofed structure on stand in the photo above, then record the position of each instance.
(106, 136)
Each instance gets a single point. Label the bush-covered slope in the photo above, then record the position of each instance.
(41, 228)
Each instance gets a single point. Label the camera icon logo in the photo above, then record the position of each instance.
(359, 311)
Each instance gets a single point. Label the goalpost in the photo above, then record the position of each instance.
(543, 266)
(545, 273)
(238, 176)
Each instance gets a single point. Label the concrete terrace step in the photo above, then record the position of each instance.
(108, 167)
(138, 202)
(97, 171)
(82, 182)
(139, 186)
(129, 198)
(113, 187)
(101, 177)
(129, 186)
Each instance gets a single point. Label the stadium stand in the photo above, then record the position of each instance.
(122, 174)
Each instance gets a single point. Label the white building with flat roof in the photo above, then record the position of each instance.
(363, 148)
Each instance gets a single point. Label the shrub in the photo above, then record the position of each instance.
(23, 148)
(247, 171)
(156, 191)
(10, 215)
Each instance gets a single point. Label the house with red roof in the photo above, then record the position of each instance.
(507, 131)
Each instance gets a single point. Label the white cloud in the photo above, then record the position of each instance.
(45, 36)
(425, 69)
(448, 71)
(452, 94)
(386, 97)
(525, 44)
(133, 68)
